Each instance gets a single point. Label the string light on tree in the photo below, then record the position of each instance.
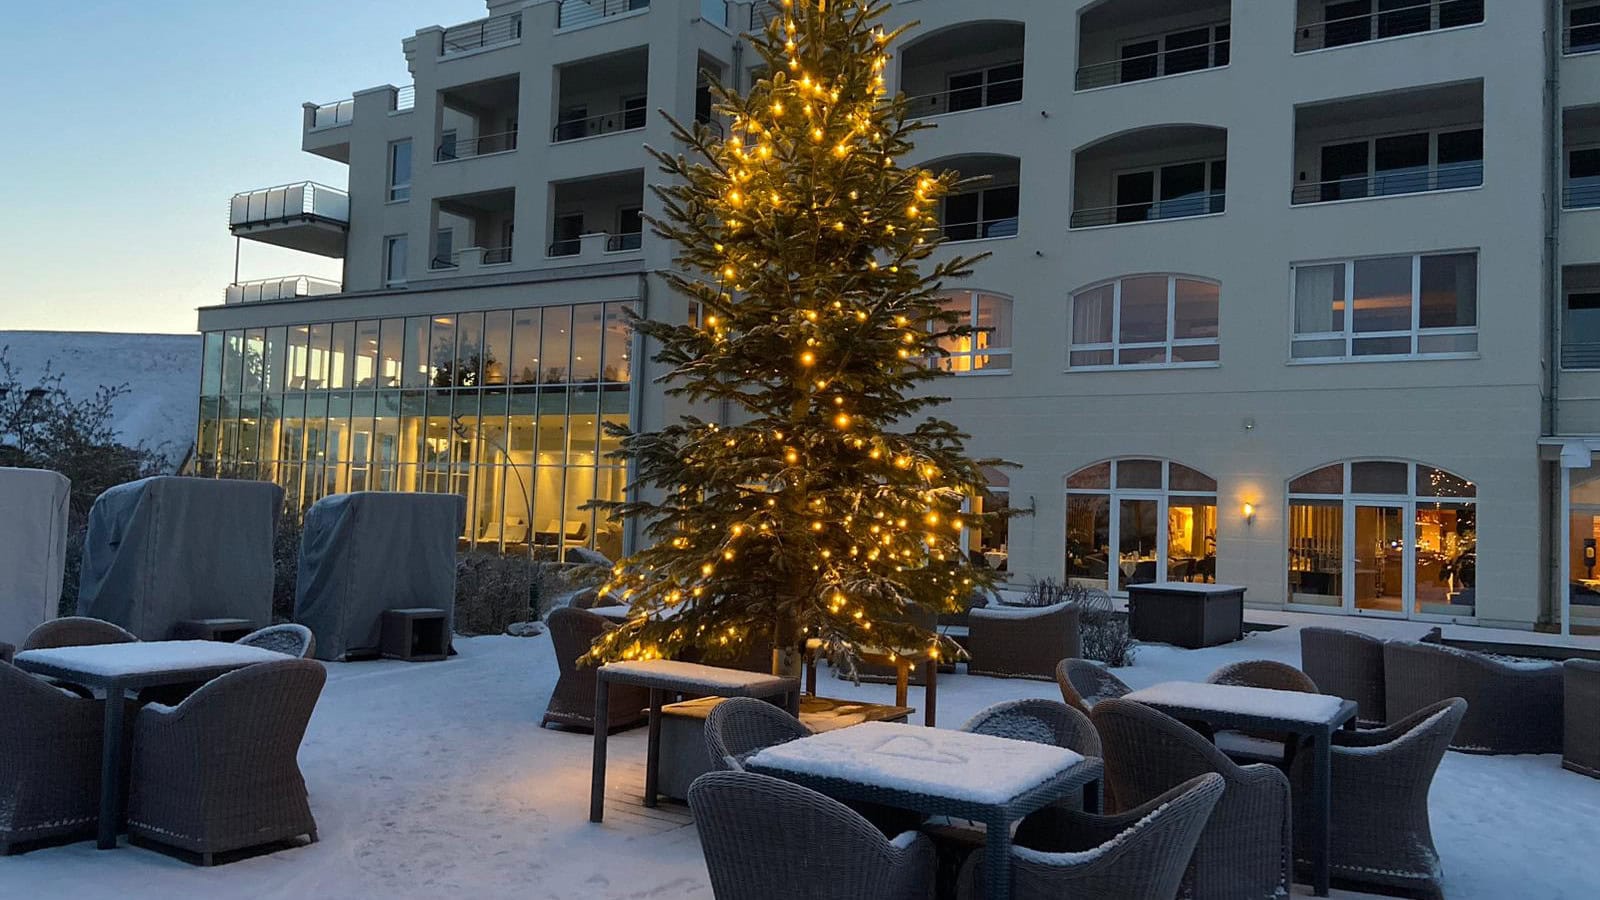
(807, 245)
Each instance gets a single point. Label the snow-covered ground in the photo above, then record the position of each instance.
(162, 372)
(435, 780)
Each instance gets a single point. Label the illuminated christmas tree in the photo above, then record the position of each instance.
(805, 244)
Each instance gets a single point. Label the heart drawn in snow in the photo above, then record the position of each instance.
(919, 750)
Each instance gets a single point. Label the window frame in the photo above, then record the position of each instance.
(1163, 497)
(1208, 162)
(983, 201)
(400, 192)
(1115, 346)
(389, 243)
(984, 86)
(1371, 142)
(1567, 28)
(974, 296)
(1566, 169)
(1415, 332)
(1160, 56)
(1566, 310)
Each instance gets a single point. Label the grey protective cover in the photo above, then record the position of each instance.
(33, 548)
(165, 549)
(366, 552)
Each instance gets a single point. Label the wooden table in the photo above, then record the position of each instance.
(902, 664)
(993, 780)
(661, 677)
(1313, 717)
(120, 668)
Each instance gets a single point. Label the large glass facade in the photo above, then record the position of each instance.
(1383, 537)
(506, 408)
(1140, 521)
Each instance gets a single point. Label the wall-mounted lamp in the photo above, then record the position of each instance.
(1249, 513)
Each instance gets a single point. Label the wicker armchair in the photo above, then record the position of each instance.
(768, 839)
(290, 640)
(218, 772)
(572, 632)
(740, 726)
(1245, 847)
(1022, 642)
(1380, 832)
(1257, 746)
(1346, 664)
(75, 631)
(50, 749)
(1581, 736)
(1084, 683)
(1137, 855)
(1040, 721)
(1512, 707)
(878, 673)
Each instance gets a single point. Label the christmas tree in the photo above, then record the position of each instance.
(805, 245)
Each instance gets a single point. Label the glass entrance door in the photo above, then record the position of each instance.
(1379, 559)
(1137, 537)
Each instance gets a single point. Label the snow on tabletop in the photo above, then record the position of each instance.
(1293, 706)
(145, 657)
(610, 612)
(713, 677)
(975, 768)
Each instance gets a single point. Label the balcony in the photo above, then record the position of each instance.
(1580, 152)
(306, 216)
(1125, 41)
(581, 13)
(479, 227)
(603, 95)
(599, 215)
(482, 34)
(293, 287)
(326, 129)
(969, 66)
(986, 210)
(1580, 317)
(1339, 24)
(1150, 175)
(1580, 27)
(478, 119)
(1405, 142)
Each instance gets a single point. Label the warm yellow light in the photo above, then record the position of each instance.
(1249, 512)
(842, 420)
(807, 358)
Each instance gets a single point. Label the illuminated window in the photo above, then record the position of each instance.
(1140, 521)
(987, 346)
(1145, 320)
(1394, 306)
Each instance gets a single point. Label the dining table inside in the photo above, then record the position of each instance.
(991, 780)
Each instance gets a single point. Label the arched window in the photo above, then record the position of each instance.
(1383, 537)
(988, 348)
(1138, 521)
(1143, 321)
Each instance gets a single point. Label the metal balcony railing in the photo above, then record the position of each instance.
(405, 98)
(1580, 38)
(332, 115)
(1151, 211)
(284, 203)
(1384, 184)
(565, 247)
(489, 32)
(601, 123)
(716, 12)
(977, 231)
(572, 13)
(617, 243)
(482, 145)
(496, 256)
(1146, 66)
(1421, 17)
(1580, 355)
(1584, 195)
(289, 288)
(938, 103)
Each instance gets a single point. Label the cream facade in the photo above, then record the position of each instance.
(1298, 296)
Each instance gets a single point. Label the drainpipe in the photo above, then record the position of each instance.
(1558, 488)
(630, 535)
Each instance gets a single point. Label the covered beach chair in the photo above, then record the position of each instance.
(33, 549)
(367, 552)
(167, 549)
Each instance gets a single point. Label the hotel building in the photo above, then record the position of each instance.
(1301, 296)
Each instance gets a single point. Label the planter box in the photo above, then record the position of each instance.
(1186, 615)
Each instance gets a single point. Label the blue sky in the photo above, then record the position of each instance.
(133, 121)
